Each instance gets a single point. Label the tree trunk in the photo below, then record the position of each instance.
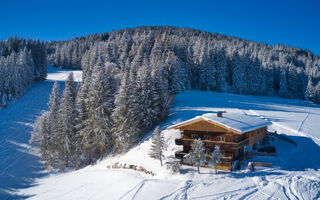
(90, 157)
(198, 169)
(160, 160)
(67, 161)
(101, 152)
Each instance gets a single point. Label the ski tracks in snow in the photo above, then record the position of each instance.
(264, 187)
(292, 130)
(135, 190)
(302, 122)
(291, 186)
(189, 191)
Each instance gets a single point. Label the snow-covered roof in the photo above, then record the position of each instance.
(237, 121)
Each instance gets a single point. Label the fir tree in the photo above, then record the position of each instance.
(66, 122)
(158, 145)
(41, 132)
(197, 154)
(81, 119)
(125, 130)
(215, 157)
(100, 103)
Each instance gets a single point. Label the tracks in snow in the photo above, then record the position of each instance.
(302, 122)
(135, 190)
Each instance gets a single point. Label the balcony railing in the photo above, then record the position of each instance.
(234, 145)
(224, 159)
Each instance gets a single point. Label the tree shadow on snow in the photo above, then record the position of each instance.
(19, 167)
(21, 178)
(301, 157)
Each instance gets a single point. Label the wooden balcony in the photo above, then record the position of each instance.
(225, 159)
(232, 145)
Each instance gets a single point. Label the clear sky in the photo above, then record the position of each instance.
(290, 22)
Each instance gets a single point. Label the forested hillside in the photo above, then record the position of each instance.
(21, 62)
(183, 58)
(130, 77)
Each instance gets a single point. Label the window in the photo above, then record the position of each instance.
(222, 139)
(194, 136)
(207, 137)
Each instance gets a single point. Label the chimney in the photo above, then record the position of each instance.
(219, 113)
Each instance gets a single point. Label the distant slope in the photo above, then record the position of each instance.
(293, 176)
(19, 162)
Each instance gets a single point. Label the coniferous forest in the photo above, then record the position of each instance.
(185, 58)
(21, 63)
(130, 78)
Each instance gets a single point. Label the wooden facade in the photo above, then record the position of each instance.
(232, 143)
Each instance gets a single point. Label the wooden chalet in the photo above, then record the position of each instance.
(235, 133)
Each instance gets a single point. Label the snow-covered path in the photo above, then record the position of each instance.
(18, 161)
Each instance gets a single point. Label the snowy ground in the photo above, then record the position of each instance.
(19, 163)
(295, 173)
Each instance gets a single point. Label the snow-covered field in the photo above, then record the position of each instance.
(295, 173)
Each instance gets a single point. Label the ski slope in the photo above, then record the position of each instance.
(295, 173)
(19, 162)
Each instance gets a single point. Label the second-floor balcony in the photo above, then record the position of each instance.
(209, 142)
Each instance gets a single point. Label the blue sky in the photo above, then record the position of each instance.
(294, 23)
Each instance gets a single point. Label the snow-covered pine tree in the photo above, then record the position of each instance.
(239, 74)
(148, 98)
(162, 88)
(54, 103)
(317, 93)
(297, 83)
(66, 123)
(158, 145)
(101, 104)
(215, 157)
(283, 90)
(125, 129)
(81, 119)
(220, 60)
(207, 71)
(254, 77)
(44, 129)
(176, 74)
(88, 139)
(36, 135)
(41, 134)
(19, 59)
(197, 154)
(310, 89)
